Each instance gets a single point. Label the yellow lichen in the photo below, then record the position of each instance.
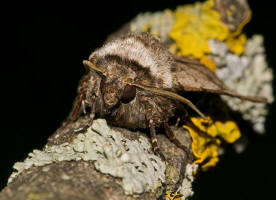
(176, 196)
(208, 63)
(196, 24)
(207, 137)
(236, 44)
(242, 24)
(236, 41)
(192, 26)
(147, 26)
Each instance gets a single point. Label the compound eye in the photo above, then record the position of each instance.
(128, 93)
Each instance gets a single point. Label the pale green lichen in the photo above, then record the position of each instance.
(186, 186)
(158, 24)
(131, 160)
(247, 74)
(185, 190)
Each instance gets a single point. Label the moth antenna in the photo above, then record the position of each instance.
(170, 95)
(90, 65)
(248, 98)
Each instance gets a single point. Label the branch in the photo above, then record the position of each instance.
(103, 163)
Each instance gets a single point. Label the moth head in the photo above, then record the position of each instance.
(119, 86)
(114, 85)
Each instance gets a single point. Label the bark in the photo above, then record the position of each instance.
(80, 179)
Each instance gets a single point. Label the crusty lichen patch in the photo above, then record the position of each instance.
(158, 23)
(132, 161)
(247, 74)
(186, 186)
(185, 190)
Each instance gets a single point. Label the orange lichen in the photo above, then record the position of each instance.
(206, 135)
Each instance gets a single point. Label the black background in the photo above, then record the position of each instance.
(42, 49)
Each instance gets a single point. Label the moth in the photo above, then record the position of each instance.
(134, 82)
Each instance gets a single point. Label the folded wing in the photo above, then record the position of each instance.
(190, 75)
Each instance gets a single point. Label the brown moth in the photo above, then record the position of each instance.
(134, 82)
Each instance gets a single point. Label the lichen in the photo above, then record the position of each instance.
(196, 24)
(190, 27)
(205, 60)
(132, 161)
(175, 196)
(158, 24)
(185, 190)
(207, 138)
(236, 44)
(247, 74)
(186, 186)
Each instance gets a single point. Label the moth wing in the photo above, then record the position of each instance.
(190, 75)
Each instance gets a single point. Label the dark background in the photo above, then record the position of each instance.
(42, 49)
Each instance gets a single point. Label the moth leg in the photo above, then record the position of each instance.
(77, 107)
(90, 121)
(175, 141)
(154, 142)
(177, 121)
(83, 106)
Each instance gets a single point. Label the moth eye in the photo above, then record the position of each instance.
(128, 93)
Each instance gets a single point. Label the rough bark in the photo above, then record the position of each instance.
(80, 180)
